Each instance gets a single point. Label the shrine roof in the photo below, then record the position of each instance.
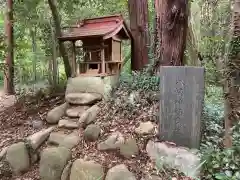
(102, 27)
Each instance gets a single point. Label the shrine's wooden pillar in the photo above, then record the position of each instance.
(74, 60)
(103, 59)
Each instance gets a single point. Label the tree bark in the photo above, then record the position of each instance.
(54, 59)
(192, 49)
(172, 24)
(9, 74)
(57, 22)
(232, 81)
(34, 50)
(138, 12)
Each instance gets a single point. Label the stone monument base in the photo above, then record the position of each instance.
(90, 84)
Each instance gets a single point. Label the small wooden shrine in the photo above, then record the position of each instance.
(99, 52)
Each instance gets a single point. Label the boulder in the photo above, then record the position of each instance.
(66, 171)
(183, 159)
(114, 141)
(119, 172)
(56, 138)
(83, 98)
(129, 148)
(100, 85)
(89, 116)
(86, 170)
(3, 152)
(55, 114)
(76, 112)
(38, 138)
(70, 141)
(68, 124)
(92, 132)
(145, 128)
(52, 162)
(18, 157)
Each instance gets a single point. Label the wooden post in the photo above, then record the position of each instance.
(103, 59)
(74, 63)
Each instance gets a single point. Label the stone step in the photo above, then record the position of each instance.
(83, 98)
(56, 113)
(68, 124)
(66, 140)
(76, 111)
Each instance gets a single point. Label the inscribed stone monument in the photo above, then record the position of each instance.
(181, 105)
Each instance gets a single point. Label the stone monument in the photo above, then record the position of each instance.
(181, 105)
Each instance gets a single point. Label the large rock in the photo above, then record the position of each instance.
(92, 132)
(89, 116)
(38, 138)
(119, 172)
(18, 157)
(179, 158)
(83, 98)
(61, 139)
(86, 170)
(145, 128)
(114, 141)
(76, 112)
(129, 148)
(100, 85)
(53, 160)
(70, 140)
(56, 138)
(68, 124)
(55, 114)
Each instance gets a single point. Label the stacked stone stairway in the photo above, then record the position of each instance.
(73, 124)
(55, 163)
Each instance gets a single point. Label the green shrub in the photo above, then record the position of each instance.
(140, 80)
(219, 163)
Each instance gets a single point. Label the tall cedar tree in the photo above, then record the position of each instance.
(232, 75)
(138, 13)
(9, 73)
(171, 30)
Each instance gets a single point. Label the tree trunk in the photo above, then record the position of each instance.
(9, 74)
(192, 49)
(50, 70)
(54, 59)
(172, 24)
(34, 50)
(232, 81)
(57, 22)
(138, 12)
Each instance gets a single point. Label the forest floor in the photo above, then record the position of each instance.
(17, 119)
(6, 101)
(26, 117)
